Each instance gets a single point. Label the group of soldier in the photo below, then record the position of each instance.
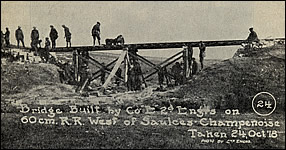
(176, 71)
(5, 37)
(36, 42)
(134, 73)
(35, 37)
(135, 77)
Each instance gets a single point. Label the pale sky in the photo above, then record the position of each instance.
(148, 21)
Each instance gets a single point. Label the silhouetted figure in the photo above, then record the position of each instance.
(35, 39)
(96, 33)
(138, 76)
(2, 39)
(19, 36)
(252, 37)
(176, 71)
(67, 35)
(195, 66)
(161, 77)
(53, 36)
(7, 37)
(103, 73)
(131, 78)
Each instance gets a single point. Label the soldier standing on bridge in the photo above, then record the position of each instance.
(2, 39)
(202, 54)
(96, 33)
(53, 36)
(19, 36)
(67, 35)
(35, 39)
(7, 37)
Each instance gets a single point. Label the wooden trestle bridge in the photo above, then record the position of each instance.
(129, 51)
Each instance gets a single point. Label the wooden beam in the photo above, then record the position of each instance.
(108, 65)
(164, 45)
(115, 68)
(96, 64)
(156, 67)
(162, 67)
(75, 64)
(146, 60)
(187, 62)
(143, 60)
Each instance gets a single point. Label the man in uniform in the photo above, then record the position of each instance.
(252, 37)
(202, 54)
(176, 70)
(67, 35)
(161, 77)
(47, 49)
(19, 36)
(138, 76)
(118, 74)
(84, 78)
(131, 78)
(103, 73)
(120, 40)
(195, 66)
(53, 36)
(7, 37)
(35, 39)
(2, 39)
(96, 33)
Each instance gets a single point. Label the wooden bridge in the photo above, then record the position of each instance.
(165, 45)
(129, 51)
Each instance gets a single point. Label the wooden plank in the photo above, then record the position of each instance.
(150, 45)
(156, 67)
(126, 68)
(161, 45)
(95, 76)
(162, 67)
(186, 64)
(115, 68)
(143, 60)
(96, 64)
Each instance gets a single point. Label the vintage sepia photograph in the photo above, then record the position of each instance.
(142, 75)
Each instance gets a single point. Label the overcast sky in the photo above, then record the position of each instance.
(147, 21)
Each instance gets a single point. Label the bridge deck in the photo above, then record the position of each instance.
(163, 45)
(149, 45)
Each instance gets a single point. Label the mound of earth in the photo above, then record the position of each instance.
(18, 78)
(234, 82)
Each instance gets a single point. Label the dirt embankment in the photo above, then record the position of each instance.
(234, 82)
(18, 78)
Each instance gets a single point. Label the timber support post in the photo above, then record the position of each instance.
(76, 65)
(190, 56)
(126, 59)
(186, 69)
